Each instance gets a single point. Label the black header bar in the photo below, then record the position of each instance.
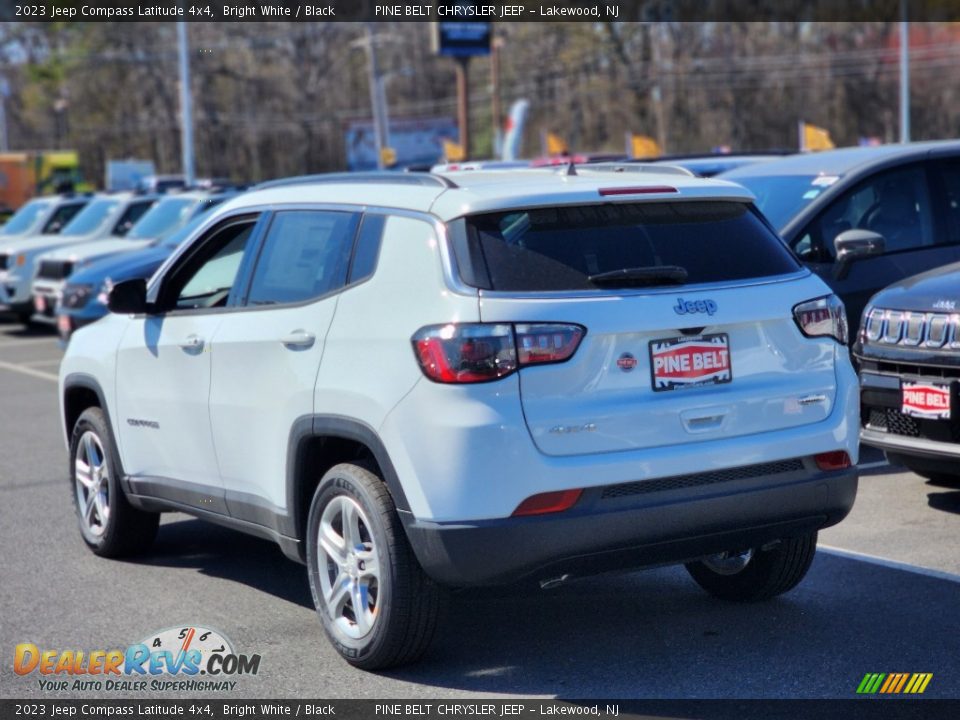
(199, 11)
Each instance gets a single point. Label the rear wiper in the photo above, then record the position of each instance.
(632, 277)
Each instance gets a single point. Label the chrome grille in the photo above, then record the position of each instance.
(912, 329)
(678, 482)
(54, 269)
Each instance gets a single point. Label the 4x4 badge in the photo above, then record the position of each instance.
(685, 307)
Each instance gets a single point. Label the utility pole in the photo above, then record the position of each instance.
(376, 97)
(496, 112)
(463, 102)
(186, 106)
(656, 93)
(904, 74)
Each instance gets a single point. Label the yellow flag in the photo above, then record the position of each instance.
(555, 144)
(388, 157)
(644, 146)
(814, 138)
(453, 152)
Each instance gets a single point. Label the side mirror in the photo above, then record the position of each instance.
(128, 297)
(852, 245)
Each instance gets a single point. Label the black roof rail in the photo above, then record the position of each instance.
(362, 178)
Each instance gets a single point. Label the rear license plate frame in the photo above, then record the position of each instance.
(712, 342)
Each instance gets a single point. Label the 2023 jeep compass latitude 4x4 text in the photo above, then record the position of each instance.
(419, 382)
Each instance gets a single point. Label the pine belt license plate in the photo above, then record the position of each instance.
(683, 362)
(927, 400)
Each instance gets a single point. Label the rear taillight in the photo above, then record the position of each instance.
(481, 352)
(823, 317)
(836, 460)
(546, 343)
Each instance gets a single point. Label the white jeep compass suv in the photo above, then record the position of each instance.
(416, 382)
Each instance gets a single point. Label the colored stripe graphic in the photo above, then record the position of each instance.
(894, 683)
(870, 683)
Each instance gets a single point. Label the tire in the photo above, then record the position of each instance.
(757, 574)
(24, 317)
(401, 604)
(109, 524)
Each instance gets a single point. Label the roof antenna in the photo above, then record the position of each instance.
(570, 170)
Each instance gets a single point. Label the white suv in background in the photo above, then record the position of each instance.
(414, 382)
(102, 217)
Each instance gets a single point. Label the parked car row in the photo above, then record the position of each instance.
(51, 240)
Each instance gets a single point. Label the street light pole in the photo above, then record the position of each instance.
(186, 106)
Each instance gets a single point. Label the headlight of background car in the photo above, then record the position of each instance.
(76, 296)
(103, 294)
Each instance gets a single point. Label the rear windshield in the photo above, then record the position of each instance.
(561, 248)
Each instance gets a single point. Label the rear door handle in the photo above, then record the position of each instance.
(192, 343)
(299, 339)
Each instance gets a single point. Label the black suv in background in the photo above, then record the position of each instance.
(908, 350)
(863, 217)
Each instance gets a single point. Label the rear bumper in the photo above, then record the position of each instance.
(604, 533)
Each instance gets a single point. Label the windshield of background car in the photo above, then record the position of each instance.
(90, 218)
(560, 248)
(165, 217)
(199, 214)
(781, 197)
(24, 218)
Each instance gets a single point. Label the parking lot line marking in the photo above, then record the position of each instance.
(40, 363)
(28, 341)
(28, 371)
(893, 564)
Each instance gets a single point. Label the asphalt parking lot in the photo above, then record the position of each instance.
(882, 596)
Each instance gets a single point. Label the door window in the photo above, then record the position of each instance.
(206, 277)
(895, 204)
(130, 216)
(305, 256)
(950, 220)
(61, 216)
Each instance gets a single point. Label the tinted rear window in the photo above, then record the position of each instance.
(559, 248)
